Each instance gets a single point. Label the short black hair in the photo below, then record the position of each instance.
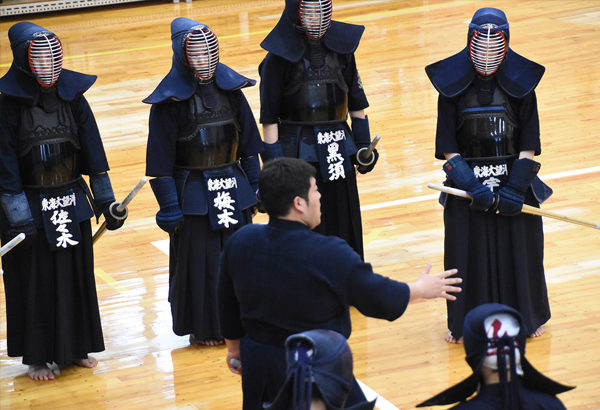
(280, 181)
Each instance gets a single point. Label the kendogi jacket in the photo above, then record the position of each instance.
(282, 278)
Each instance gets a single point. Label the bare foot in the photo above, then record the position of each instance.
(194, 341)
(89, 362)
(450, 339)
(210, 342)
(540, 331)
(40, 372)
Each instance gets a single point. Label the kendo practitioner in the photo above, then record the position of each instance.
(282, 278)
(202, 150)
(488, 131)
(309, 85)
(494, 341)
(48, 139)
(319, 373)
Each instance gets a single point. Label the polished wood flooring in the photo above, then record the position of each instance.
(146, 366)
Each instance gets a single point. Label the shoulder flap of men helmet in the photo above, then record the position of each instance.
(456, 393)
(451, 76)
(535, 380)
(519, 76)
(228, 79)
(288, 43)
(177, 84)
(343, 38)
(180, 85)
(70, 85)
(17, 84)
(285, 41)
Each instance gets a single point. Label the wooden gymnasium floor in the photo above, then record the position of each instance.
(146, 366)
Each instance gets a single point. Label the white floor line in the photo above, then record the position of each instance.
(162, 245)
(371, 394)
(399, 202)
(574, 172)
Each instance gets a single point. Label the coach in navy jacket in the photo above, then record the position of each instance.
(282, 278)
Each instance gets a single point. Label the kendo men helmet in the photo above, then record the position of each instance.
(37, 51)
(318, 361)
(494, 337)
(487, 41)
(201, 48)
(315, 17)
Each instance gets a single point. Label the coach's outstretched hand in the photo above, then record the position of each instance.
(434, 286)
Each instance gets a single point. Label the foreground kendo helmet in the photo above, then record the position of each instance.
(315, 17)
(37, 51)
(201, 48)
(318, 361)
(488, 40)
(502, 329)
(500, 333)
(494, 337)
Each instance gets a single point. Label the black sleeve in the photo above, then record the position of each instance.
(357, 100)
(229, 309)
(250, 141)
(445, 137)
(10, 178)
(372, 294)
(162, 139)
(530, 124)
(272, 83)
(92, 151)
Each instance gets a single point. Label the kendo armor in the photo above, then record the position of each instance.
(487, 126)
(315, 17)
(47, 146)
(212, 136)
(317, 93)
(487, 131)
(211, 139)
